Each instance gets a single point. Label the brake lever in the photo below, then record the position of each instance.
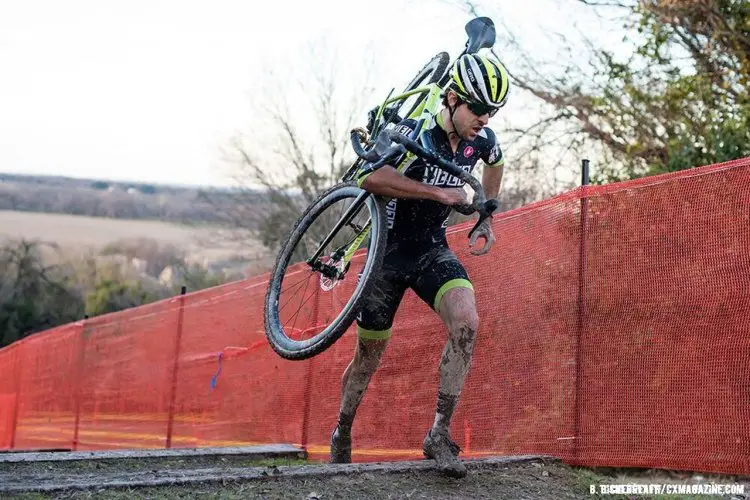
(381, 150)
(393, 152)
(485, 212)
(383, 146)
(476, 205)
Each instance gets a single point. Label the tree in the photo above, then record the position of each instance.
(678, 99)
(33, 296)
(285, 161)
(113, 293)
(155, 255)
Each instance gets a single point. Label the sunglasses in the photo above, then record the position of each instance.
(480, 109)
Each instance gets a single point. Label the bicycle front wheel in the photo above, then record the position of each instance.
(323, 271)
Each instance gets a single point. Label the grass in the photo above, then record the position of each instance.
(71, 238)
(77, 233)
(585, 477)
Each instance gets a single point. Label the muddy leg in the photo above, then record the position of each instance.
(353, 385)
(357, 376)
(459, 313)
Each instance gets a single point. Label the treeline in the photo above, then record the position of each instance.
(41, 288)
(109, 199)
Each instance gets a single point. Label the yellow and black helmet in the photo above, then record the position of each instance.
(480, 79)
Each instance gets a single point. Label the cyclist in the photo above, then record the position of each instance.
(417, 254)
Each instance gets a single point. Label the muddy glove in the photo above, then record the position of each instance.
(484, 231)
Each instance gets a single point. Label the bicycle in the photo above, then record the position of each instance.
(362, 212)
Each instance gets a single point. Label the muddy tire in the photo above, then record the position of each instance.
(281, 340)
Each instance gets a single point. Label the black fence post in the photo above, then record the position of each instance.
(175, 368)
(80, 365)
(585, 173)
(581, 305)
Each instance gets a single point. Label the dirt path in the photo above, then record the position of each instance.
(494, 478)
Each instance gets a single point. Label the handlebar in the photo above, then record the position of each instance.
(384, 151)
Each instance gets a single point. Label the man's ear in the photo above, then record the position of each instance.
(452, 98)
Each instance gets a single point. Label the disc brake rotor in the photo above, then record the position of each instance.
(326, 283)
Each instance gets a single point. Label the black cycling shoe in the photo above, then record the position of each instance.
(341, 446)
(439, 446)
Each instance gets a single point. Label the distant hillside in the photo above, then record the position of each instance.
(115, 199)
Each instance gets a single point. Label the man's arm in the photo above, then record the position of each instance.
(492, 178)
(387, 181)
(494, 165)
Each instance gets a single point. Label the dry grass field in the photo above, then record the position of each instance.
(74, 234)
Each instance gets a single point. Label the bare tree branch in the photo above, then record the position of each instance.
(309, 121)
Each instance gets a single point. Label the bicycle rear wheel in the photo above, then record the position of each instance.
(315, 291)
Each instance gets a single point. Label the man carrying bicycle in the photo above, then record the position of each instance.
(417, 254)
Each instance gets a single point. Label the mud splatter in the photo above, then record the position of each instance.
(446, 404)
(357, 377)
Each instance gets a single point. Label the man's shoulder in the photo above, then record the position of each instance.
(489, 148)
(486, 136)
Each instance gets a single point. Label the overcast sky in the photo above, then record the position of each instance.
(150, 90)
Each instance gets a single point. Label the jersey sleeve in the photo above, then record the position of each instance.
(492, 155)
(404, 127)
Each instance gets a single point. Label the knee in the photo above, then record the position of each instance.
(369, 353)
(459, 312)
(465, 324)
(463, 333)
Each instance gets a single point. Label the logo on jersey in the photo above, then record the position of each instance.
(468, 151)
(436, 176)
(403, 130)
(390, 212)
(495, 155)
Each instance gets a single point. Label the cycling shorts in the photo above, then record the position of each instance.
(430, 274)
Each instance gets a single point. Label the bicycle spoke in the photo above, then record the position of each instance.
(307, 279)
(297, 283)
(343, 210)
(301, 305)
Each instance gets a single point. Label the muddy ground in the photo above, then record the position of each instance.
(269, 479)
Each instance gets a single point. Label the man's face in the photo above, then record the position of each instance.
(466, 122)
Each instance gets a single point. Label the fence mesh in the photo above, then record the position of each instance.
(614, 331)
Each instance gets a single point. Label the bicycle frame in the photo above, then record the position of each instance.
(423, 112)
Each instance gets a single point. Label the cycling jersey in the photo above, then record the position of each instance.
(415, 222)
(417, 254)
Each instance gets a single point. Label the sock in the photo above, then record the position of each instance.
(445, 406)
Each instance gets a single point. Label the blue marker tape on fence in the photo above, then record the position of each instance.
(216, 375)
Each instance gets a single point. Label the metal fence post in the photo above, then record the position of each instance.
(16, 403)
(581, 304)
(79, 379)
(175, 367)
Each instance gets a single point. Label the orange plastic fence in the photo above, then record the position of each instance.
(638, 357)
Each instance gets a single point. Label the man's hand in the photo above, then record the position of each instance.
(452, 196)
(485, 231)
